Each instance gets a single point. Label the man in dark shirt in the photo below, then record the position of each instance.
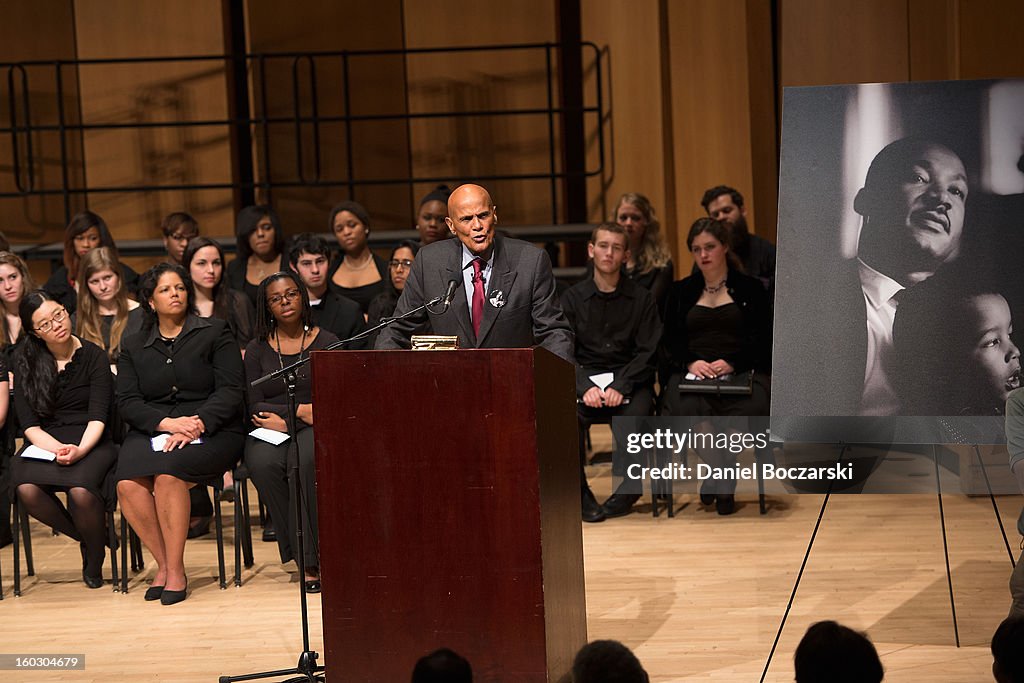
(617, 329)
(310, 257)
(725, 204)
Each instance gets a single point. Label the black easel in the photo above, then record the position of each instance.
(307, 668)
(807, 554)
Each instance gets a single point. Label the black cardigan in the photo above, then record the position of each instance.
(755, 307)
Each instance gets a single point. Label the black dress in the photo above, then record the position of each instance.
(363, 294)
(83, 393)
(136, 317)
(235, 275)
(198, 373)
(737, 332)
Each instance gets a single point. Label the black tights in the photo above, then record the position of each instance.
(84, 522)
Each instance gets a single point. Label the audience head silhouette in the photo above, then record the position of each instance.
(1008, 651)
(607, 661)
(832, 653)
(442, 666)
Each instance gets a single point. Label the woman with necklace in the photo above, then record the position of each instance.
(63, 395)
(717, 323)
(357, 273)
(260, 241)
(179, 386)
(105, 314)
(285, 333)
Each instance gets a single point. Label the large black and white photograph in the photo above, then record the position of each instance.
(901, 238)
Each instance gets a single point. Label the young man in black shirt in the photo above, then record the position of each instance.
(310, 257)
(617, 329)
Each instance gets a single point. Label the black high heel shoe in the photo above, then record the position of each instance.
(153, 593)
(89, 581)
(174, 597)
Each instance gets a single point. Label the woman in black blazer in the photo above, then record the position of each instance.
(179, 386)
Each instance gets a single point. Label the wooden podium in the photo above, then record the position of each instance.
(449, 505)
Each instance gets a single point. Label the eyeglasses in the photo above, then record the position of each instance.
(277, 299)
(404, 263)
(58, 317)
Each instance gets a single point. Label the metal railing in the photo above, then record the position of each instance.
(305, 118)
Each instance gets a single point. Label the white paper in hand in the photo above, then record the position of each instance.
(160, 440)
(602, 380)
(37, 453)
(271, 436)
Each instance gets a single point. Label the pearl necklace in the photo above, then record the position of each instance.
(366, 262)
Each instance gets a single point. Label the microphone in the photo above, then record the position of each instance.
(448, 294)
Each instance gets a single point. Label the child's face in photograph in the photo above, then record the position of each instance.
(994, 359)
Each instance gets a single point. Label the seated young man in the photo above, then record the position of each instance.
(310, 257)
(617, 329)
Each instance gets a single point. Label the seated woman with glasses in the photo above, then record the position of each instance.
(178, 228)
(63, 392)
(179, 388)
(399, 267)
(285, 333)
(105, 314)
(358, 273)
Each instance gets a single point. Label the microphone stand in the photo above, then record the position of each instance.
(307, 668)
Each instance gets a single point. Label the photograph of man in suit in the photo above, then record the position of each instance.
(505, 290)
(913, 204)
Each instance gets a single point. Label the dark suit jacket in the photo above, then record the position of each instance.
(200, 374)
(340, 316)
(529, 316)
(821, 341)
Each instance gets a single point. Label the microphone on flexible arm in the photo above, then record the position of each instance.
(448, 294)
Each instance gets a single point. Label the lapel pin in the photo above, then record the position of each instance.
(497, 299)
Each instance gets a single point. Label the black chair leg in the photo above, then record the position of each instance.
(138, 562)
(238, 532)
(246, 527)
(125, 542)
(17, 546)
(112, 542)
(220, 538)
(27, 537)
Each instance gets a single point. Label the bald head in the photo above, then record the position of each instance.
(471, 218)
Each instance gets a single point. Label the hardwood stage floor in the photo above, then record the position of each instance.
(698, 597)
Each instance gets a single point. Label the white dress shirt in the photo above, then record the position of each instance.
(879, 291)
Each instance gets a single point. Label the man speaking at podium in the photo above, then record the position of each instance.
(502, 290)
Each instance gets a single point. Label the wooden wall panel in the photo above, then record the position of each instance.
(150, 93)
(478, 146)
(52, 37)
(826, 43)
(990, 39)
(376, 87)
(715, 115)
(635, 155)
